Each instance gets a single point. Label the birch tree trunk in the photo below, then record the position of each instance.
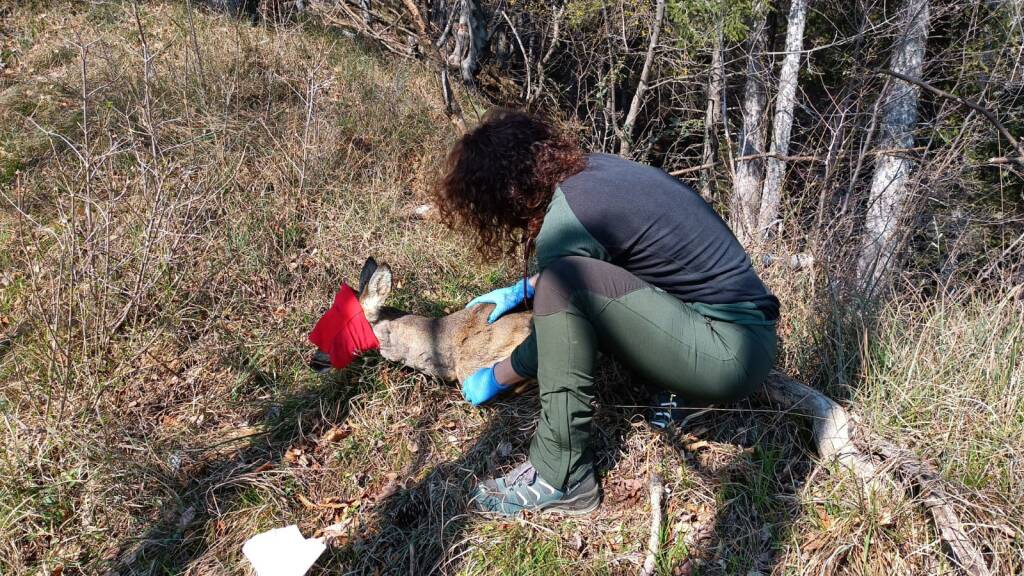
(470, 38)
(784, 103)
(364, 6)
(712, 116)
(749, 171)
(888, 198)
(626, 146)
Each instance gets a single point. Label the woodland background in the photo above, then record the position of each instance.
(884, 127)
(183, 185)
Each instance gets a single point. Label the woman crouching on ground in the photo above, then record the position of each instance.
(630, 261)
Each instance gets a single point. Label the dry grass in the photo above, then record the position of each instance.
(178, 206)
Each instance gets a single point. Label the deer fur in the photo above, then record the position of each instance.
(450, 347)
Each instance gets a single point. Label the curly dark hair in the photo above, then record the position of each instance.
(500, 177)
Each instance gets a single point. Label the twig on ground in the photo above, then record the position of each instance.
(833, 428)
(925, 481)
(833, 434)
(417, 17)
(654, 542)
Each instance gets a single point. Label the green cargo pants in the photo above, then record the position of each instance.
(703, 352)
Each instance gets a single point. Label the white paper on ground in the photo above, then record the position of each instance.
(282, 552)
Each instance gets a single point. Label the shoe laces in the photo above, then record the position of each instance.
(523, 475)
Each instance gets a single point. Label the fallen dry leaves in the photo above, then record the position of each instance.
(336, 434)
(625, 490)
(299, 457)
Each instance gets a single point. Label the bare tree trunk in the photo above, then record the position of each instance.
(783, 123)
(626, 146)
(888, 199)
(470, 37)
(364, 6)
(610, 115)
(750, 169)
(417, 18)
(552, 44)
(712, 115)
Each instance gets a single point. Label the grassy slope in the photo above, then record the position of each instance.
(157, 411)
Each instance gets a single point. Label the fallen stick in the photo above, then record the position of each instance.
(654, 542)
(832, 426)
(925, 481)
(833, 436)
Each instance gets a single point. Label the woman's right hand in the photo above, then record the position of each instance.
(481, 386)
(504, 299)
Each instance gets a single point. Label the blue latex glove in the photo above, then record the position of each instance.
(504, 299)
(481, 386)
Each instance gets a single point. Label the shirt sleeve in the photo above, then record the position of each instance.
(562, 234)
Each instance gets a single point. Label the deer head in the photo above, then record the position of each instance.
(450, 347)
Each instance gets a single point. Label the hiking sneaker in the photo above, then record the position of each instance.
(668, 408)
(665, 410)
(524, 489)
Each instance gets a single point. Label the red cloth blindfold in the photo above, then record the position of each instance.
(343, 332)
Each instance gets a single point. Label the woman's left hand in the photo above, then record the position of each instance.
(504, 299)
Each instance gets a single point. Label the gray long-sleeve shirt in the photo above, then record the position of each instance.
(647, 222)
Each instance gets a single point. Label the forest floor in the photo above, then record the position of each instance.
(182, 193)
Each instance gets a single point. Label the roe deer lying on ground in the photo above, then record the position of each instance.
(451, 347)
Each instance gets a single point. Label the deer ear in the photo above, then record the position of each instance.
(369, 267)
(377, 289)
